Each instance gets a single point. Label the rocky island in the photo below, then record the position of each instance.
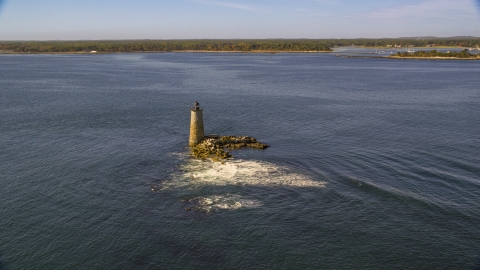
(219, 148)
(215, 147)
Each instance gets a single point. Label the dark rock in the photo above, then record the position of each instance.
(215, 148)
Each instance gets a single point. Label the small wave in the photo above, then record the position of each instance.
(242, 173)
(221, 202)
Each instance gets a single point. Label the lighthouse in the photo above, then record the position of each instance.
(196, 125)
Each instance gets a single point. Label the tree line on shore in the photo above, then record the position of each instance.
(406, 42)
(273, 45)
(435, 53)
(163, 46)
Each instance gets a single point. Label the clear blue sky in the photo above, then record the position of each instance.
(185, 19)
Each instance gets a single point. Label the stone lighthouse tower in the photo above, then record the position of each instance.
(196, 125)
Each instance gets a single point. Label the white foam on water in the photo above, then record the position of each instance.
(240, 172)
(223, 202)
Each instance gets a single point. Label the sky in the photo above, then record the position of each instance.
(232, 19)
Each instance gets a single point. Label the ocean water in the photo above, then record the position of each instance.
(373, 164)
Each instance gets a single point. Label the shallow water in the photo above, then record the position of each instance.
(373, 163)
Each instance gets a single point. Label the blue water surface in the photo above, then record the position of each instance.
(373, 164)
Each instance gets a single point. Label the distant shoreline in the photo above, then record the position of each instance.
(415, 47)
(433, 58)
(6, 52)
(82, 47)
(179, 51)
(414, 58)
